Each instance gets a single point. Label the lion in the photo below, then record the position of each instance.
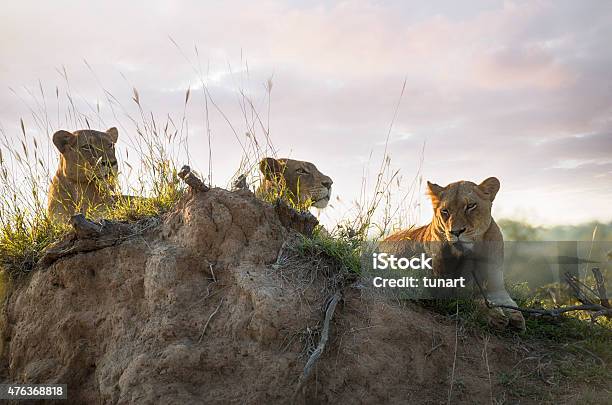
(463, 225)
(85, 181)
(301, 181)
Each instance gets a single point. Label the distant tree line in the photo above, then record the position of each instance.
(522, 231)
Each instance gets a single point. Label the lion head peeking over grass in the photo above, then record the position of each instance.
(462, 221)
(86, 177)
(298, 181)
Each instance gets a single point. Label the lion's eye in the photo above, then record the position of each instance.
(444, 212)
(470, 206)
(302, 171)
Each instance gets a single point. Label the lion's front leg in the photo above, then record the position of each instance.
(496, 294)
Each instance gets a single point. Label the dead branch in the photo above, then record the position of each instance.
(83, 227)
(586, 304)
(192, 180)
(555, 312)
(601, 287)
(314, 357)
(577, 287)
(89, 236)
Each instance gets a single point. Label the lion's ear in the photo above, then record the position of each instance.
(271, 168)
(113, 133)
(62, 139)
(490, 187)
(434, 192)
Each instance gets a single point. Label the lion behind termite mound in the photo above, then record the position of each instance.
(85, 179)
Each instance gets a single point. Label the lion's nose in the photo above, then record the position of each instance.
(458, 232)
(327, 183)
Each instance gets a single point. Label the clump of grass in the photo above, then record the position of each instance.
(25, 228)
(334, 262)
(278, 190)
(26, 169)
(22, 242)
(159, 148)
(168, 190)
(346, 252)
(388, 203)
(578, 351)
(573, 349)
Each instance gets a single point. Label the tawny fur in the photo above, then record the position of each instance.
(462, 220)
(84, 181)
(302, 181)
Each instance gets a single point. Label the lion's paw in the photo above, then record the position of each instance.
(516, 319)
(497, 319)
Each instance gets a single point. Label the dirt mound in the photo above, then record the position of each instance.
(200, 307)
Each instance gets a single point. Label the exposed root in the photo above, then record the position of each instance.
(209, 319)
(314, 357)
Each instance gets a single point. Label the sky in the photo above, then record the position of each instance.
(463, 90)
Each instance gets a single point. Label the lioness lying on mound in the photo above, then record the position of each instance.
(462, 221)
(85, 178)
(300, 181)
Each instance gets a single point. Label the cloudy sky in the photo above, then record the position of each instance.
(517, 90)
